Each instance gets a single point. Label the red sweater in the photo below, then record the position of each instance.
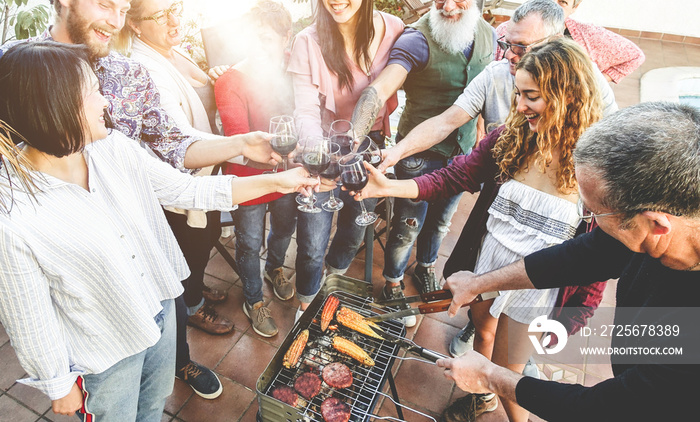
(245, 107)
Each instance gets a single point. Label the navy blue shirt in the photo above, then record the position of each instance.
(412, 52)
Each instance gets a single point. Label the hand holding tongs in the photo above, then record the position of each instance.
(437, 301)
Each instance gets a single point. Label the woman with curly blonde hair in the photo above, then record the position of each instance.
(528, 198)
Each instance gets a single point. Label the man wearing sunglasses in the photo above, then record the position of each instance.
(489, 95)
(639, 175)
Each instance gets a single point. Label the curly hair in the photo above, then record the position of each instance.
(567, 84)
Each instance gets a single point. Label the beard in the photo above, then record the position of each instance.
(79, 32)
(453, 37)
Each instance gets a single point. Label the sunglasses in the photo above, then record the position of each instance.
(517, 49)
(161, 17)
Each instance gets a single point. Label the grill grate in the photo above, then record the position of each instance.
(367, 381)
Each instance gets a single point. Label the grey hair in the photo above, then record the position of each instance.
(551, 13)
(648, 157)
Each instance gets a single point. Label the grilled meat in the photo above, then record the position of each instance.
(308, 385)
(285, 394)
(334, 410)
(337, 375)
(328, 311)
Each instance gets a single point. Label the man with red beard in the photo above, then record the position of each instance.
(134, 108)
(433, 60)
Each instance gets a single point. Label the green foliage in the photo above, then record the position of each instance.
(26, 21)
(31, 22)
(192, 40)
(395, 7)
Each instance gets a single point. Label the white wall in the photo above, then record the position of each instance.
(678, 17)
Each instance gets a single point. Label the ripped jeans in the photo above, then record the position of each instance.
(426, 222)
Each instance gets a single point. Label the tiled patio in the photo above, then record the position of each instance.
(241, 356)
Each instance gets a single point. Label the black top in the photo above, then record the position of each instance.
(637, 392)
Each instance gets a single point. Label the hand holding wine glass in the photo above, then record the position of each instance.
(315, 158)
(284, 137)
(343, 134)
(370, 152)
(295, 180)
(332, 173)
(378, 185)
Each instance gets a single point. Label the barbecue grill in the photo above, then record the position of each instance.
(368, 382)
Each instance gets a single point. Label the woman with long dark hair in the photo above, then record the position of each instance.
(88, 265)
(332, 62)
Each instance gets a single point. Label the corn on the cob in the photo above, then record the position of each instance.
(351, 349)
(357, 322)
(294, 352)
(328, 311)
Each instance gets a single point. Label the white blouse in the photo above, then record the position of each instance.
(82, 273)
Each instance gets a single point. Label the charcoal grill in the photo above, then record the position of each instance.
(368, 382)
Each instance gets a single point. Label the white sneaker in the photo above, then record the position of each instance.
(531, 369)
(409, 321)
(397, 293)
(298, 315)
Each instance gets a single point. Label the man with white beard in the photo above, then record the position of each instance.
(434, 60)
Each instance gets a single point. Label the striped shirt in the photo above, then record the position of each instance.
(83, 272)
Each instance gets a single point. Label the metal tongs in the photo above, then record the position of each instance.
(432, 302)
(429, 356)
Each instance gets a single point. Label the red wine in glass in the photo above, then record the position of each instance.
(315, 162)
(353, 180)
(354, 176)
(332, 172)
(283, 145)
(345, 143)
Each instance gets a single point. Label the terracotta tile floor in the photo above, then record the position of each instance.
(239, 357)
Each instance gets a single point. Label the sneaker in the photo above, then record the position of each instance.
(469, 407)
(425, 279)
(463, 341)
(203, 380)
(298, 315)
(391, 293)
(209, 321)
(261, 319)
(531, 369)
(214, 295)
(281, 285)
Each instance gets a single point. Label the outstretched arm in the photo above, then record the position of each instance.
(425, 135)
(375, 96)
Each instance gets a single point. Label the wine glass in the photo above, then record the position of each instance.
(369, 150)
(342, 133)
(315, 158)
(332, 173)
(284, 138)
(353, 174)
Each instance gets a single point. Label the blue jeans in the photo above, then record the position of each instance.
(426, 222)
(313, 234)
(249, 223)
(135, 388)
